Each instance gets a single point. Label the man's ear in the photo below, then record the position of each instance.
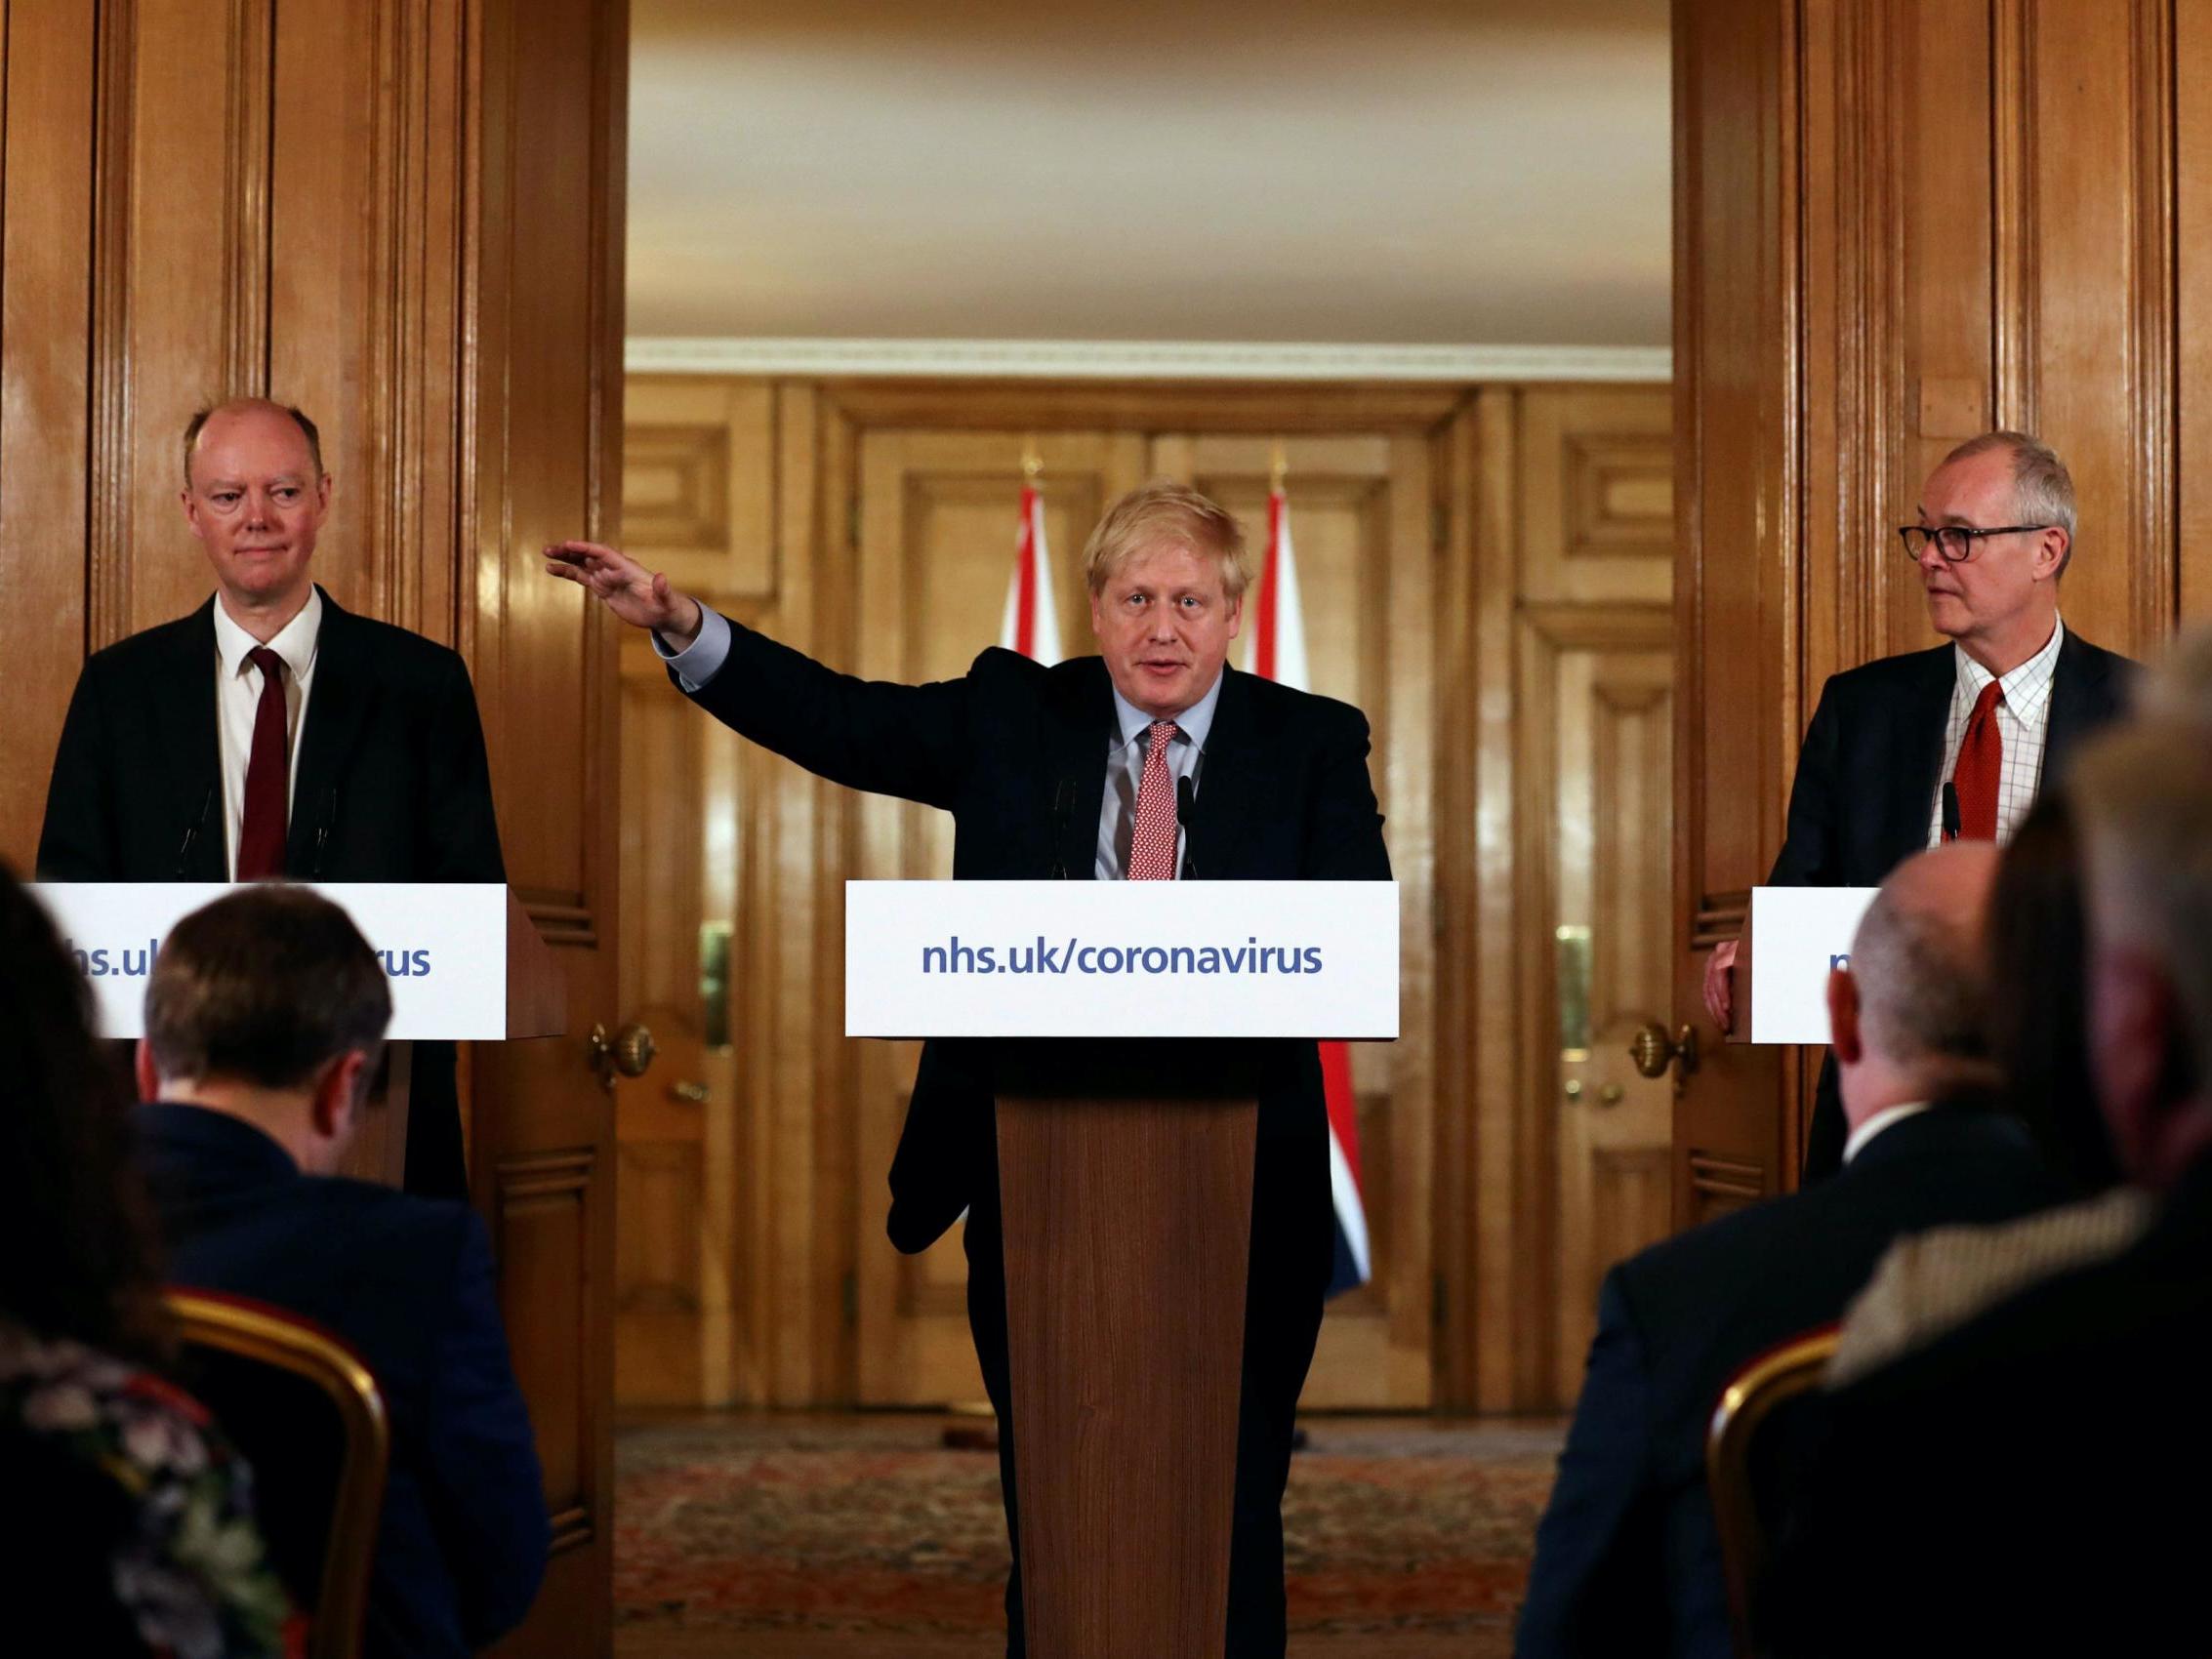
(1844, 1034)
(2134, 1025)
(148, 1076)
(2051, 553)
(339, 1087)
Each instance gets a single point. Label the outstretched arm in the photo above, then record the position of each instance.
(640, 597)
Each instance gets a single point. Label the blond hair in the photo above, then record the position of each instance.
(2143, 794)
(1164, 513)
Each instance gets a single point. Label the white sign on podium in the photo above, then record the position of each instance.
(1110, 958)
(443, 947)
(1795, 936)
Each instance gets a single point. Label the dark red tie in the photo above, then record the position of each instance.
(1152, 843)
(260, 837)
(1981, 760)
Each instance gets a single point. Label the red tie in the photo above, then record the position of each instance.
(260, 837)
(1152, 844)
(1980, 759)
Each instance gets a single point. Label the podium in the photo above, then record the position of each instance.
(1792, 937)
(1135, 1022)
(464, 960)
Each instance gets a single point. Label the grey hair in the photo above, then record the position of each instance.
(2042, 489)
(1923, 985)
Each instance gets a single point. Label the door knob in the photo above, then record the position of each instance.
(1653, 1052)
(628, 1052)
(690, 1091)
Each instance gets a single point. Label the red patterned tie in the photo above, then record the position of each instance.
(260, 837)
(1152, 845)
(1981, 761)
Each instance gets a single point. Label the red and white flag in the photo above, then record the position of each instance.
(1031, 622)
(1277, 651)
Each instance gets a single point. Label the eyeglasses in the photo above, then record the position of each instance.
(1955, 541)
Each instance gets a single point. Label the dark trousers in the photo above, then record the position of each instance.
(1826, 1135)
(1293, 1242)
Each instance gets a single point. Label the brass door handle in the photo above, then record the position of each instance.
(628, 1052)
(1653, 1051)
(690, 1091)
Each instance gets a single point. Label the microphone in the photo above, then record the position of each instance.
(192, 831)
(1951, 810)
(1063, 804)
(1186, 809)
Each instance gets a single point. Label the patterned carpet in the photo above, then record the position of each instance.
(763, 1534)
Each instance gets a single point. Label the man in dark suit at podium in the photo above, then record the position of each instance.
(1074, 770)
(271, 734)
(1907, 751)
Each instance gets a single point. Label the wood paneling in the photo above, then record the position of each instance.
(1899, 224)
(407, 219)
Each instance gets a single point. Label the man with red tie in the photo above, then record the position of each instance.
(1907, 751)
(271, 733)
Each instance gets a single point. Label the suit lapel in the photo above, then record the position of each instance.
(1219, 809)
(183, 697)
(2080, 699)
(1082, 727)
(344, 690)
(1921, 716)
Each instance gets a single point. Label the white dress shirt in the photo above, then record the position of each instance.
(1881, 1121)
(2024, 715)
(700, 661)
(237, 699)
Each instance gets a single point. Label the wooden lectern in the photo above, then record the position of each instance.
(1126, 1078)
(1125, 1178)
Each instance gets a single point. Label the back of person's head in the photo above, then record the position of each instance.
(268, 986)
(2038, 994)
(2178, 686)
(75, 1247)
(2143, 796)
(1919, 969)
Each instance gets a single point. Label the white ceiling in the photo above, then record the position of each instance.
(1485, 173)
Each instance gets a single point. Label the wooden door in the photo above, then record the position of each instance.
(937, 514)
(1359, 505)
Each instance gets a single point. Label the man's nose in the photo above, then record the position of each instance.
(257, 507)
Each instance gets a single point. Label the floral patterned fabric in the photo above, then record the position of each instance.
(185, 1563)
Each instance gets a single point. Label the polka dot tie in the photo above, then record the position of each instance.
(1152, 845)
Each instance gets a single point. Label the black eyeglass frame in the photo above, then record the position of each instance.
(1967, 534)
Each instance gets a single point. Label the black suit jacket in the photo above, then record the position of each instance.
(408, 1282)
(2033, 1482)
(1016, 752)
(1867, 774)
(1628, 1559)
(392, 785)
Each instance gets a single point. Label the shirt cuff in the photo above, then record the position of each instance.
(703, 659)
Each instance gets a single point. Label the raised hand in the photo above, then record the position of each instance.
(640, 597)
(1720, 985)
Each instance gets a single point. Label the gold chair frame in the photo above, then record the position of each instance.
(269, 1336)
(1773, 1379)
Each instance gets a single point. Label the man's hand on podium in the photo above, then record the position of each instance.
(640, 597)
(1720, 985)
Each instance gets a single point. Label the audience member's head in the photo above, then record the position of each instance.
(75, 1252)
(2178, 686)
(2143, 794)
(268, 1005)
(2039, 995)
(1910, 1014)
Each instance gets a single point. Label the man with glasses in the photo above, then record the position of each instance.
(1908, 751)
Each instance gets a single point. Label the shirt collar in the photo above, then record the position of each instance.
(1881, 1121)
(295, 641)
(1195, 721)
(2027, 687)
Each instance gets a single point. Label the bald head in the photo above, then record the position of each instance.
(1919, 960)
(251, 411)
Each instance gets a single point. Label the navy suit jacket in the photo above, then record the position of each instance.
(1867, 774)
(1016, 752)
(2032, 1483)
(392, 785)
(408, 1282)
(1628, 1559)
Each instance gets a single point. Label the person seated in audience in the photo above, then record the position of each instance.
(126, 1521)
(266, 1015)
(1628, 1559)
(2035, 1481)
(1934, 1280)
